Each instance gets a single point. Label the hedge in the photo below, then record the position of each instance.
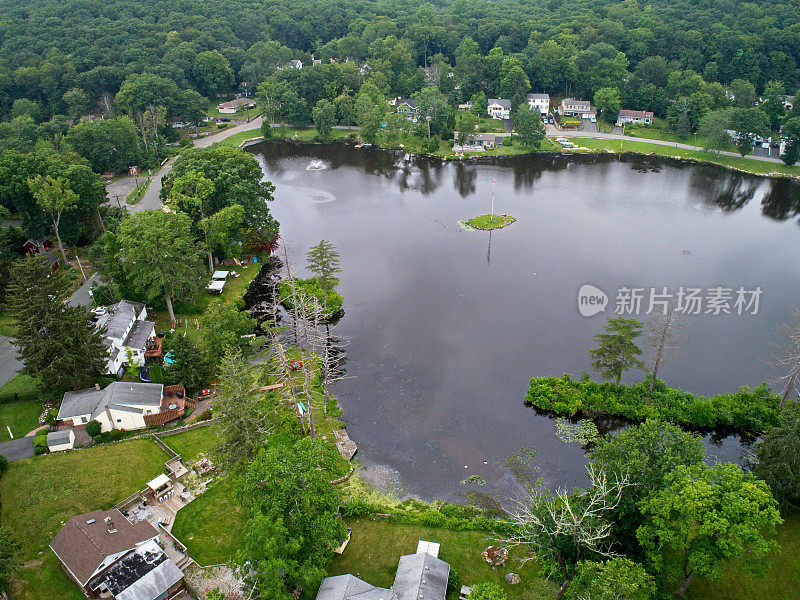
(747, 409)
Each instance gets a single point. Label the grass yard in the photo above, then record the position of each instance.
(781, 582)
(137, 194)
(7, 325)
(376, 546)
(746, 164)
(39, 494)
(21, 417)
(212, 525)
(22, 387)
(190, 444)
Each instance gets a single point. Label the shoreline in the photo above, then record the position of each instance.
(480, 158)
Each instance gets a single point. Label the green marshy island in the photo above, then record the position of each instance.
(487, 222)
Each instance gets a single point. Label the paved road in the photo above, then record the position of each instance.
(553, 132)
(18, 448)
(81, 296)
(151, 196)
(9, 361)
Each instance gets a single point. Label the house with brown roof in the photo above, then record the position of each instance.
(637, 117)
(230, 107)
(109, 556)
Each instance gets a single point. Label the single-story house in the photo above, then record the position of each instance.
(576, 108)
(230, 107)
(111, 557)
(42, 247)
(466, 106)
(127, 331)
(419, 575)
(177, 122)
(61, 440)
(637, 117)
(485, 140)
(498, 108)
(123, 405)
(540, 102)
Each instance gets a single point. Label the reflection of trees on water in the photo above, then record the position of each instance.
(782, 201)
(729, 191)
(464, 179)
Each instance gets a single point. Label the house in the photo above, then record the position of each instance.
(230, 107)
(123, 405)
(541, 102)
(419, 575)
(466, 106)
(61, 440)
(177, 122)
(788, 102)
(295, 64)
(407, 107)
(127, 331)
(499, 108)
(576, 108)
(111, 557)
(637, 117)
(42, 247)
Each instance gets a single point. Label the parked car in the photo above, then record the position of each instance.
(206, 394)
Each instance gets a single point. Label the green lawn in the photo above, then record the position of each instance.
(7, 325)
(212, 525)
(751, 165)
(39, 494)
(137, 194)
(376, 546)
(190, 444)
(22, 387)
(21, 417)
(782, 582)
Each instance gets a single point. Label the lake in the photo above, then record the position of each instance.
(445, 326)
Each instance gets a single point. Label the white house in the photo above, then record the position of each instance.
(230, 107)
(126, 328)
(541, 102)
(61, 440)
(466, 106)
(295, 64)
(177, 122)
(637, 117)
(111, 557)
(576, 108)
(123, 405)
(499, 108)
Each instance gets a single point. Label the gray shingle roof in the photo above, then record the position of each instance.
(119, 394)
(56, 438)
(118, 317)
(538, 96)
(501, 101)
(139, 334)
(421, 576)
(342, 587)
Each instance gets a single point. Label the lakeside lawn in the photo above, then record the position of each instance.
(750, 165)
(39, 494)
(283, 133)
(191, 444)
(20, 417)
(377, 544)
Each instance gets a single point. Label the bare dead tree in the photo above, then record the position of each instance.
(788, 354)
(662, 340)
(564, 527)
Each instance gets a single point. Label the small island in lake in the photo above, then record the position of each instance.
(487, 222)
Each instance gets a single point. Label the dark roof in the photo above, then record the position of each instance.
(421, 576)
(56, 438)
(140, 333)
(538, 96)
(118, 318)
(408, 102)
(143, 574)
(501, 101)
(117, 394)
(84, 541)
(342, 587)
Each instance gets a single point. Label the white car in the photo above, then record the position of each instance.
(99, 310)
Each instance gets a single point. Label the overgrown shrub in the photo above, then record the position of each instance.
(310, 289)
(93, 428)
(747, 409)
(40, 444)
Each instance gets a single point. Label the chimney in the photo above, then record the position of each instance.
(110, 525)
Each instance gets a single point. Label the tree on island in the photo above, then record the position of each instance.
(706, 516)
(529, 126)
(159, 256)
(617, 351)
(323, 261)
(54, 196)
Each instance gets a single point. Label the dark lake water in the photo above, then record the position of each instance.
(446, 326)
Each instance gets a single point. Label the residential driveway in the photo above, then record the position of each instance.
(508, 125)
(9, 361)
(81, 296)
(120, 189)
(151, 196)
(18, 448)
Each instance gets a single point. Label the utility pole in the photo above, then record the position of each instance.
(492, 213)
(80, 266)
(622, 139)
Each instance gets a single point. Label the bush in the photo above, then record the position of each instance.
(93, 428)
(432, 145)
(747, 409)
(40, 444)
(453, 582)
(486, 590)
(205, 415)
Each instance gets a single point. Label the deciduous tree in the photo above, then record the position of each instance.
(529, 126)
(324, 115)
(54, 196)
(617, 579)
